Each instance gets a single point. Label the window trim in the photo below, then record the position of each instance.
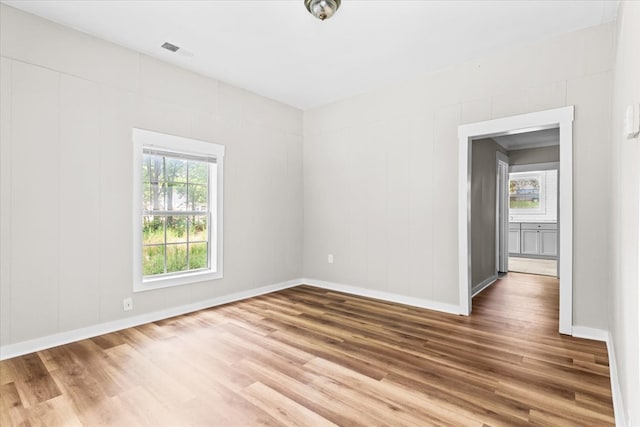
(143, 138)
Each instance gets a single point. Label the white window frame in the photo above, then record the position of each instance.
(142, 139)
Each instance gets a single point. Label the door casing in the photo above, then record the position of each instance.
(561, 118)
(502, 213)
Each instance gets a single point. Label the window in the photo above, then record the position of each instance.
(526, 192)
(177, 210)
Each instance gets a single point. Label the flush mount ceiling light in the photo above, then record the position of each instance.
(322, 9)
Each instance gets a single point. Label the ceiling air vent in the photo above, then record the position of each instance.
(171, 47)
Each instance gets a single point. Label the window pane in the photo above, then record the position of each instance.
(197, 197)
(152, 230)
(198, 228)
(146, 196)
(524, 193)
(156, 196)
(152, 182)
(198, 173)
(153, 169)
(176, 197)
(176, 229)
(145, 168)
(152, 260)
(198, 256)
(176, 258)
(176, 170)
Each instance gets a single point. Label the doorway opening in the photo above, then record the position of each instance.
(528, 213)
(533, 216)
(522, 198)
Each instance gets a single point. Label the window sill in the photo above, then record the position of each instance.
(183, 279)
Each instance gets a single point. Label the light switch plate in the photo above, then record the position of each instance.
(632, 121)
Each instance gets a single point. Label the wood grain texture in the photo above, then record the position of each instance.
(312, 357)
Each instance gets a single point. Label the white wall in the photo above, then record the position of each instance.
(69, 102)
(379, 173)
(625, 215)
(380, 169)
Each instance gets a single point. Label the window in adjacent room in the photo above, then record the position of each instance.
(178, 210)
(526, 192)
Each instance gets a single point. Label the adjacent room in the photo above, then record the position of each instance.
(319, 213)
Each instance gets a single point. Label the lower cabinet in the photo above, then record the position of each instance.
(539, 239)
(549, 242)
(514, 238)
(530, 242)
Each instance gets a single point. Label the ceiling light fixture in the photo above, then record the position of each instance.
(322, 9)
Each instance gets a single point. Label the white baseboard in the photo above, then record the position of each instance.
(602, 335)
(49, 341)
(475, 290)
(37, 344)
(385, 296)
(616, 394)
(589, 333)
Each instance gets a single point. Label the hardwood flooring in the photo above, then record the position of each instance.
(545, 267)
(312, 357)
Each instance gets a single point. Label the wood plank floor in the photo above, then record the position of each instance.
(311, 357)
(545, 267)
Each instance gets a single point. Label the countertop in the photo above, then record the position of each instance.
(533, 222)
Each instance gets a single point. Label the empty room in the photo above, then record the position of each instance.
(319, 212)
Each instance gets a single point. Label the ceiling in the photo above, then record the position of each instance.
(277, 49)
(536, 139)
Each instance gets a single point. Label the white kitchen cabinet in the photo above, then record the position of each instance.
(548, 242)
(536, 239)
(514, 237)
(530, 242)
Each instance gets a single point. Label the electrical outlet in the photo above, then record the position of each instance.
(127, 304)
(330, 258)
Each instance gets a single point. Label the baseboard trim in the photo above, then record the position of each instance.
(589, 333)
(384, 296)
(602, 335)
(616, 394)
(54, 340)
(38, 344)
(483, 285)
